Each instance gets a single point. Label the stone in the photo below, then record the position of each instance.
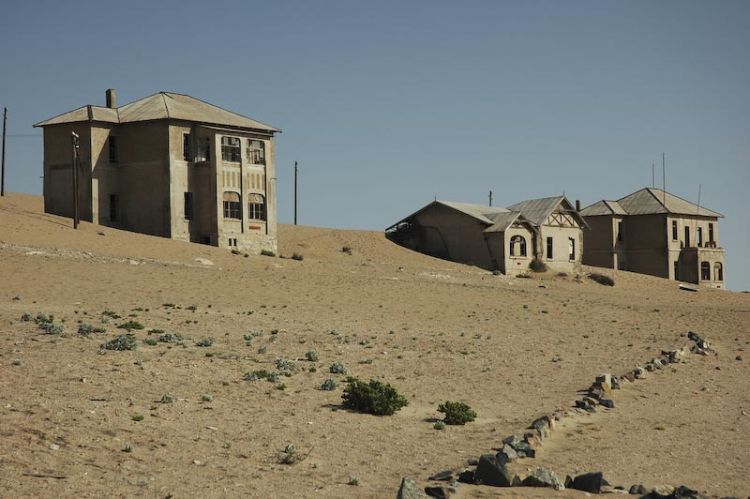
(439, 491)
(608, 403)
(541, 426)
(442, 476)
(630, 377)
(466, 476)
(604, 380)
(472, 461)
(542, 477)
(589, 482)
(492, 472)
(683, 492)
(532, 441)
(694, 336)
(615, 383)
(639, 373)
(597, 393)
(509, 452)
(593, 402)
(739, 357)
(650, 367)
(583, 404)
(638, 489)
(410, 490)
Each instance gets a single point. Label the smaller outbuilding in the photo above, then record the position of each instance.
(504, 239)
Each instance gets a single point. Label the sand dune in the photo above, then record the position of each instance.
(434, 329)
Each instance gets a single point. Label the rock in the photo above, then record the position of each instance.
(508, 453)
(683, 492)
(638, 489)
(542, 477)
(409, 490)
(608, 403)
(54, 447)
(492, 472)
(604, 380)
(739, 357)
(694, 336)
(466, 476)
(630, 377)
(650, 367)
(585, 405)
(442, 476)
(439, 491)
(589, 482)
(639, 373)
(615, 383)
(541, 426)
(597, 393)
(472, 461)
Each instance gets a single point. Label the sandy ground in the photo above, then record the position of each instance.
(435, 330)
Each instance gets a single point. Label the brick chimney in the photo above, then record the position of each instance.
(111, 98)
(578, 205)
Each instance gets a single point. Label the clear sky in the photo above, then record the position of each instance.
(387, 104)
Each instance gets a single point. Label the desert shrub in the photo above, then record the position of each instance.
(263, 349)
(537, 265)
(205, 342)
(43, 319)
(347, 250)
(192, 308)
(312, 356)
(261, 374)
(156, 331)
(166, 399)
(354, 481)
(111, 314)
(26, 317)
(130, 325)
(439, 425)
(121, 343)
(207, 397)
(151, 341)
(337, 368)
(286, 366)
(288, 455)
(267, 253)
(328, 385)
(87, 329)
(457, 413)
(372, 398)
(602, 279)
(298, 256)
(137, 417)
(169, 338)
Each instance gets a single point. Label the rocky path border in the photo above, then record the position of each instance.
(492, 469)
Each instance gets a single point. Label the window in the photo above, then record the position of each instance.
(204, 151)
(256, 152)
(233, 241)
(718, 272)
(571, 248)
(676, 271)
(114, 207)
(699, 236)
(186, 151)
(711, 233)
(687, 236)
(230, 149)
(549, 248)
(232, 205)
(674, 230)
(517, 246)
(188, 206)
(705, 271)
(113, 158)
(619, 231)
(256, 207)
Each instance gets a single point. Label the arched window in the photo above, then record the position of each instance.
(705, 271)
(517, 246)
(232, 205)
(256, 207)
(718, 272)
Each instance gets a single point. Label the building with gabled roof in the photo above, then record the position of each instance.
(168, 165)
(654, 232)
(504, 239)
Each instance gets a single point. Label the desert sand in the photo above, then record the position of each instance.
(511, 348)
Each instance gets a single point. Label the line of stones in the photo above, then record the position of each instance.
(491, 468)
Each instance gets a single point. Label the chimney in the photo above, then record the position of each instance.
(578, 205)
(111, 98)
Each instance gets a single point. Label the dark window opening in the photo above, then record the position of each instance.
(710, 233)
(113, 157)
(204, 150)
(256, 152)
(232, 205)
(517, 246)
(687, 236)
(699, 236)
(114, 207)
(186, 150)
(674, 230)
(230, 149)
(571, 248)
(705, 271)
(620, 236)
(718, 271)
(676, 271)
(256, 207)
(188, 206)
(549, 248)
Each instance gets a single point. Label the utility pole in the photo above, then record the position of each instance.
(75, 145)
(490, 198)
(664, 178)
(2, 172)
(295, 193)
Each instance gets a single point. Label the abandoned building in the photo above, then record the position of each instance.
(168, 165)
(654, 232)
(504, 239)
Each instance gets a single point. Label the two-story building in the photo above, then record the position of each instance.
(504, 239)
(168, 165)
(654, 232)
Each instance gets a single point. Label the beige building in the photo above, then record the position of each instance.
(168, 165)
(504, 239)
(654, 232)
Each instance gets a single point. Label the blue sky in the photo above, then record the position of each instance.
(388, 104)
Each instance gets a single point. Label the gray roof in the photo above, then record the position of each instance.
(505, 220)
(537, 210)
(603, 207)
(651, 200)
(483, 213)
(163, 105)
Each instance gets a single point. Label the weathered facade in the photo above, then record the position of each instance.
(504, 239)
(654, 232)
(168, 165)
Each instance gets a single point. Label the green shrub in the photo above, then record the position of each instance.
(439, 425)
(151, 341)
(137, 417)
(120, 343)
(205, 342)
(312, 356)
(457, 413)
(537, 265)
(328, 385)
(261, 374)
(166, 399)
(288, 455)
(207, 397)
(286, 366)
(602, 279)
(263, 349)
(111, 314)
(337, 368)
(26, 317)
(87, 329)
(169, 338)
(372, 398)
(130, 325)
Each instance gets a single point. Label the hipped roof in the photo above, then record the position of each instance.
(163, 105)
(648, 201)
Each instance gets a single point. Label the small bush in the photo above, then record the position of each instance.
(170, 338)
(121, 343)
(289, 455)
(347, 250)
(286, 366)
(51, 328)
(151, 341)
(207, 397)
(537, 265)
(261, 374)
(130, 325)
(298, 256)
(267, 253)
(26, 317)
(263, 349)
(602, 279)
(87, 329)
(439, 425)
(312, 356)
(137, 417)
(354, 481)
(166, 399)
(337, 368)
(457, 413)
(205, 342)
(328, 385)
(111, 314)
(372, 398)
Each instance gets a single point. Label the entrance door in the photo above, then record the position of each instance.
(687, 236)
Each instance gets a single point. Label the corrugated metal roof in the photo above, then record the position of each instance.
(164, 105)
(603, 208)
(478, 211)
(537, 210)
(651, 200)
(502, 221)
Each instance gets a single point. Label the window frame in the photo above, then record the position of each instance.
(705, 271)
(520, 241)
(187, 148)
(231, 151)
(718, 272)
(571, 249)
(550, 248)
(675, 231)
(250, 152)
(232, 209)
(187, 207)
(113, 147)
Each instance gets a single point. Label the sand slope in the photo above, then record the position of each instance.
(436, 330)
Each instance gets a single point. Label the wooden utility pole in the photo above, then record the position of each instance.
(295, 193)
(74, 165)
(2, 172)
(490, 198)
